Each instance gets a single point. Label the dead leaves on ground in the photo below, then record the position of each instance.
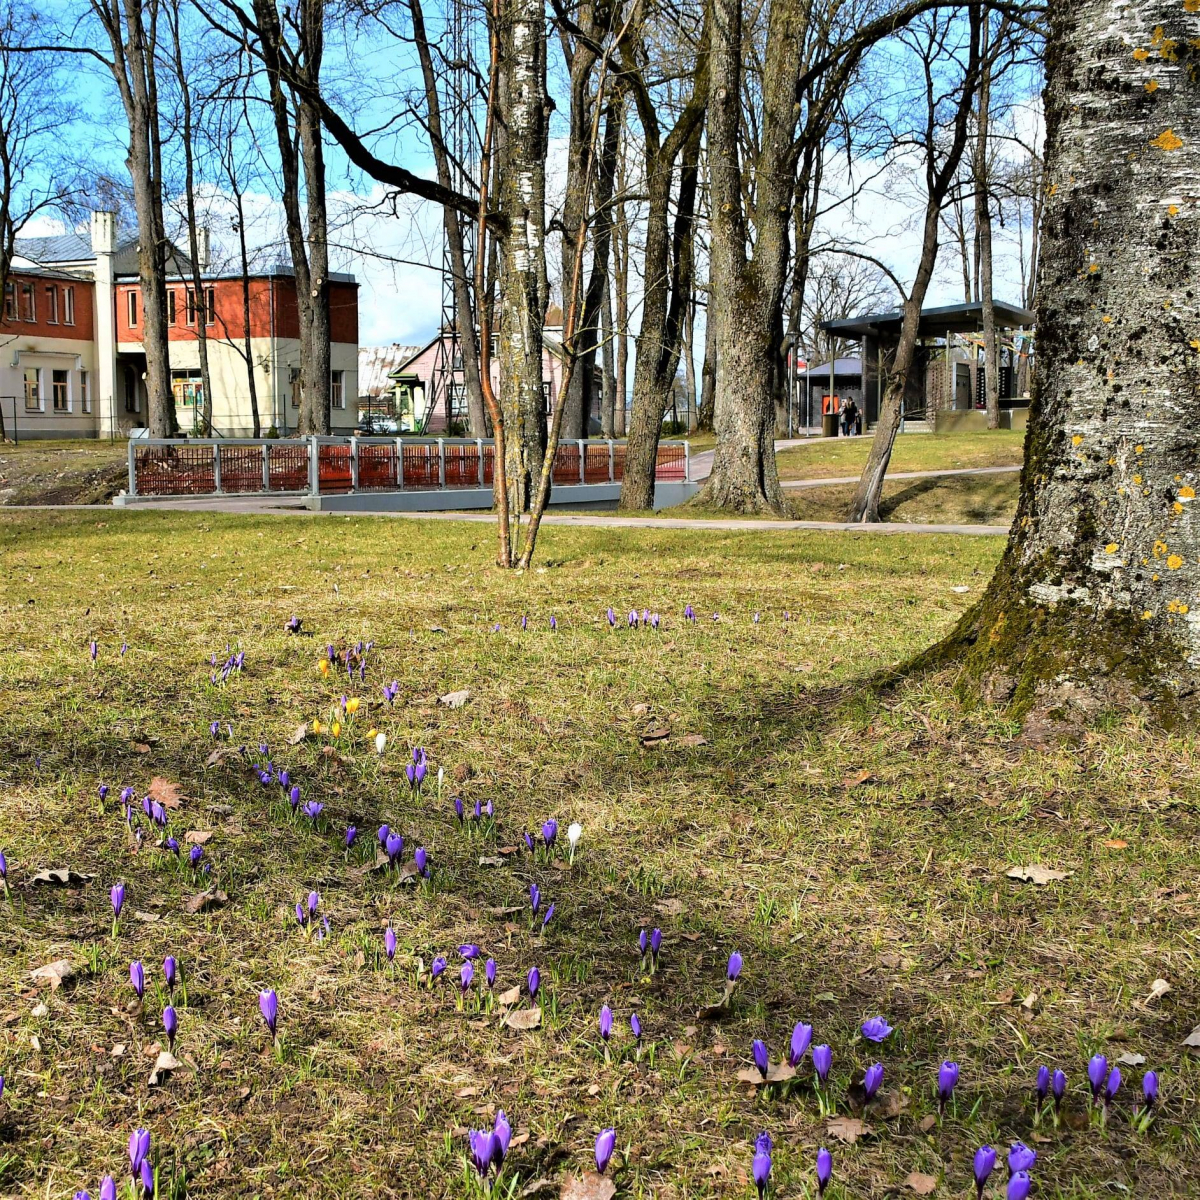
(524, 1019)
(55, 973)
(61, 877)
(1036, 874)
(847, 1129)
(168, 794)
(588, 1187)
(710, 1012)
(779, 1072)
(206, 901)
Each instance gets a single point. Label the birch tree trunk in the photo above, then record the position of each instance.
(608, 398)
(983, 236)
(522, 200)
(1095, 604)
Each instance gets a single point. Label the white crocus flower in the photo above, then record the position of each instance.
(574, 833)
(441, 779)
(380, 742)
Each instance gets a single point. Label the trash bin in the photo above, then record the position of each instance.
(829, 425)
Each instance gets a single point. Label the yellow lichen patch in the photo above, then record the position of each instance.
(1146, 614)
(1195, 343)
(1157, 35)
(1152, 86)
(1137, 479)
(1174, 562)
(1106, 319)
(1191, 6)
(1139, 449)
(1141, 54)
(1177, 508)
(1172, 210)
(1111, 548)
(1159, 548)
(1093, 268)
(1112, 462)
(1167, 140)
(1076, 439)
(1178, 606)
(1187, 492)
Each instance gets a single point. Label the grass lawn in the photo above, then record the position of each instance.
(948, 500)
(838, 457)
(852, 848)
(62, 471)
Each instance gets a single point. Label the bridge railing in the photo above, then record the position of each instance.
(340, 465)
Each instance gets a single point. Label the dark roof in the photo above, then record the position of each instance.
(62, 247)
(935, 322)
(841, 366)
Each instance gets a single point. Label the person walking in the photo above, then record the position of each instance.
(844, 415)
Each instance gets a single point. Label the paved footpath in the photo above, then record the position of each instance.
(891, 475)
(260, 506)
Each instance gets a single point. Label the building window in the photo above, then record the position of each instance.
(297, 391)
(28, 302)
(171, 307)
(52, 304)
(337, 389)
(210, 306)
(131, 303)
(60, 388)
(188, 388)
(85, 396)
(33, 390)
(68, 306)
(10, 301)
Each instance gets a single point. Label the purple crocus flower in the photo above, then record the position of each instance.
(546, 918)
(550, 833)
(268, 1005)
(3, 868)
(734, 969)
(139, 1150)
(410, 772)
(524, 622)
(761, 1059)
(642, 942)
(875, 1029)
(172, 844)
(689, 613)
(760, 1169)
(477, 813)
(553, 623)
(984, 1164)
(170, 971)
(103, 792)
(872, 1078)
(437, 966)
(93, 650)
(313, 809)
(1150, 1088)
(137, 976)
(824, 1170)
(465, 976)
(528, 842)
(502, 1132)
(117, 896)
(1058, 1088)
(606, 1143)
(822, 1057)
(458, 808)
(654, 620)
(170, 1025)
(293, 626)
(490, 809)
(147, 1174)
(483, 1149)
(633, 619)
(533, 980)
(301, 915)
(1019, 1186)
(1042, 1086)
(606, 1022)
(195, 854)
(294, 796)
(108, 1188)
(351, 834)
(489, 971)
(314, 902)
(382, 835)
(421, 859)
(468, 950)
(1112, 1085)
(1020, 1158)
(655, 942)
(947, 1080)
(635, 1026)
(535, 898)
(389, 943)
(801, 1040)
(393, 846)
(612, 618)
(1097, 1072)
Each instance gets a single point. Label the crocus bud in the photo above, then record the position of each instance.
(268, 1005)
(655, 942)
(117, 896)
(1150, 1088)
(1043, 1084)
(502, 1132)
(872, 1078)
(535, 898)
(294, 796)
(389, 943)
(380, 742)
(734, 969)
(642, 942)
(382, 834)
(606, 1143)
(1019, 1186)
(137, 976)
(1020, 1158)
(801, 1040)
(108, 1188)
(421, 859)
(533, 979)
(574, 833)
(824, 1170)
(635, 1026)
(606, 1022)
(465, 976)
(822, 1057)
(760, 1169)
(1097, 1072)
(947, 1080)
(550, 832)
(170, 1024)
(489, 971)
(1058, 1087)
(1112, 1085)
(761, 1059)
(170, 971)
(985, 1162)
(139, 1148)
(437, 966)
(351, 834)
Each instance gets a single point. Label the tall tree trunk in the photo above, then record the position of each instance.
(316, 375)
(1093, 606)
(134, 45)
(608, 396)
(688, 344)
(453, 227)
(708, 374)
(522, 200)
(247, 344)
(983, 234)
(621, 310)
(865, 504)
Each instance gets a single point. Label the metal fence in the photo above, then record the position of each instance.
(339, 465)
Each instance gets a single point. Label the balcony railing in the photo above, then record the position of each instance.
(341, 465)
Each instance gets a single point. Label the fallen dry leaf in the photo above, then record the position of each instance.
(692, 740)
(923, 1185)
(168, 794)
(858, 779)
(588, 1187)
(206, 901)
(455, 699)
(55, 973)
(298, 735)
(163, 1066)
(652, 737)
(1116, 843)
(1158, 989)
(710, 1012)
(1129, 1059)
(847, 1129)
(61, 877)
(524, 1019)
(672, 906)
(927, 1123)
(197, 837)
(511, 997)
(1193, 1038)
(1036, 874)
(779, 1072)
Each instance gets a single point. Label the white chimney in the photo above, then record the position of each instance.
(104, 232)
(203, 247)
